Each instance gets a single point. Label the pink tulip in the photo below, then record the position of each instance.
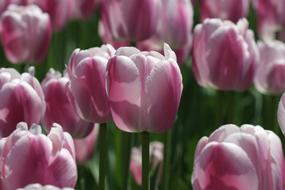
(176, 22)
(131, 20)
(21, 99)
(156, 161)
(86, 70)
(60, 11)
(59, 108)
(224, 55)
(270, 17)
(37, 186)
(239, 158)
(175, 25)
(84, 148)
(225, 9)
(84, 8)
(25, 33)
(270, 73)
(31, 157)
(107, 37)
(144, 89)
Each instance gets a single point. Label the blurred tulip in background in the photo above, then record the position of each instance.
(25, 33)
(270, 73)
(224, 55)
(131, 20)
(224, 9)
(270, 17)
(156, 161)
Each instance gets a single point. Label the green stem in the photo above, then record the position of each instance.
(145, 161)
(166, 170)
(103, 162)
(126, 149)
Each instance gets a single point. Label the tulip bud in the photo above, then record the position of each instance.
(25, 33)
(239, 158)
(156, 161)
(84, 148)
(224, 55)
(144, 89)
(50, 159)
(21, 99)
(87, 70)
(131, 20)
(59, 108)
(37, 186)
(225, 9)
(270, 73)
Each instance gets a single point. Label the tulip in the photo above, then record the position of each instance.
(225, 9)
(60, 12)
(270, 17)
(175, 27)
(21, 99)
(50, 159)
(156, 161)
(270, 73)
(84, 8)
(86, 70)
(131, 20)
(144, 89)
(224, 55)
(107, 37)
(59, 108)
(25, 33)
(84, 148)
(37, 186)
(239, 158)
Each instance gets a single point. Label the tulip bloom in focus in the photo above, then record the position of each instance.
(239, 158)
(224, 9)
(28, 156)
(85, 147)
(37, 186)
(21, 99)
(87, 73)
(224, 55)
(270, 73)
(131, 20)
(156, 161)
(59, 108)
(144, 89)
(25, 33)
